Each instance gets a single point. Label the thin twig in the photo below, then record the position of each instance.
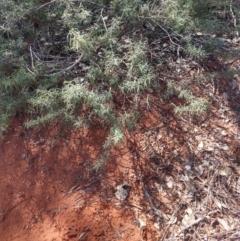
(46, 4)
(103, 21)
(234, 18)
(148, 197)
(31, 54)
(169, 76)
(39, 55)
(196, 222)
(68, 68)
(171, 218)
(160, 26)
(214, 86)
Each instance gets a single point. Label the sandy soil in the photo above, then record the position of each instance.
(50, 192)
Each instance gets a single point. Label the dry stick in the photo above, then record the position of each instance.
(30, 70)
(31, 54)
(105, 26)
(39, 55)
(214, 86)
(169, 76)
(153, 4)
(68, 68)
(234, 18)
(171, 218)
(196, 222)
(148, 197)
(103, 21)
(35, 54)
(71, 66)
(168, 36)
(234, 234)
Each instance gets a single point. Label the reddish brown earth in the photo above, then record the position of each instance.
(50, 192)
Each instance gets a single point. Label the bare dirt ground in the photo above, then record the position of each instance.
(181, 178)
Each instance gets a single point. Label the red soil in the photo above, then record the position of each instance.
(50, 192)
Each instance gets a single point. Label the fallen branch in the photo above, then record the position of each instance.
(103, 21)
(148, 197)
(68, 68)
(160, 26)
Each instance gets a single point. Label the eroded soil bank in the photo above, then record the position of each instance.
(181, 178)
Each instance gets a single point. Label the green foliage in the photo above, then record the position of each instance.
(194, 105)
(41, 43)
(195, 52)
(99, 164)
(115, 137)
(189, 15)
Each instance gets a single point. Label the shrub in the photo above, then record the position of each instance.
(84, 62)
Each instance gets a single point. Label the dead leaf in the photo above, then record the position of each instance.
(169, 184)
(206, 163)
(223, 133)
(219, 204)
(172, 220)
(189, 217)
(226, 172)
(157, 226)
(122, 192)
(224, 147)
(200, 146)
(224, 224)
(141, 223)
